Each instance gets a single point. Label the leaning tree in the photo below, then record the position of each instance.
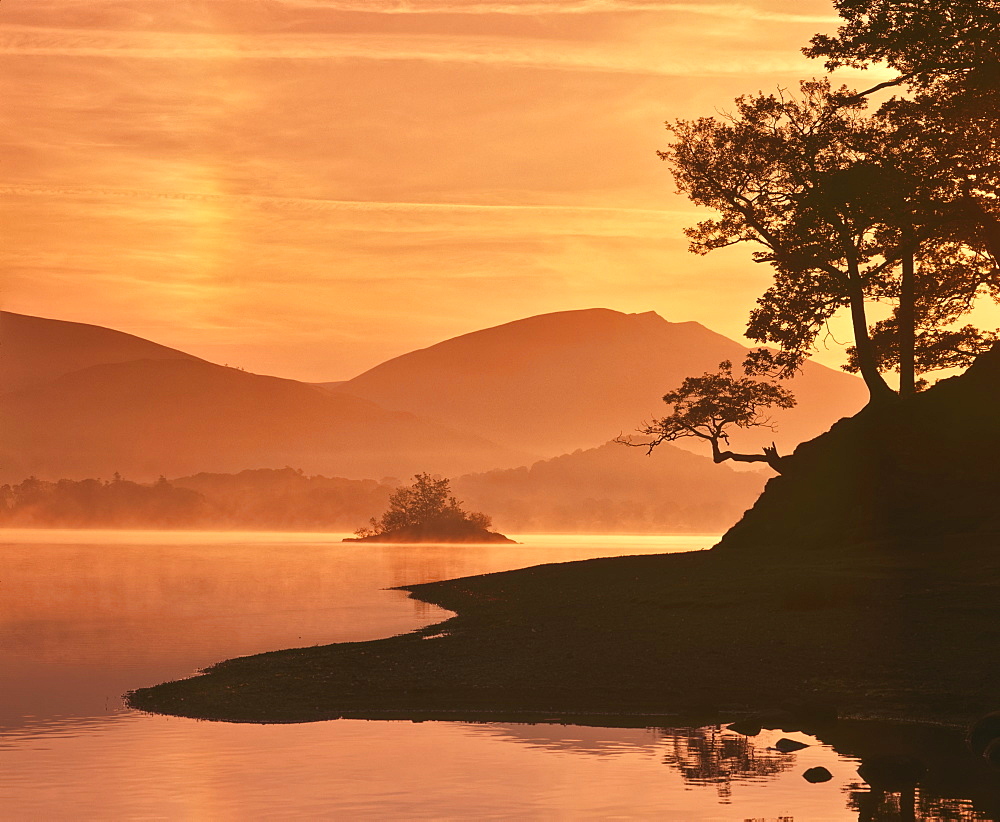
(709, 407)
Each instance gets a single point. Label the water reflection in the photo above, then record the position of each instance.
(714, 756)
(734, 767)
(912, 805)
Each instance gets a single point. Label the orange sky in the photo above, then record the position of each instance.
(307, 187)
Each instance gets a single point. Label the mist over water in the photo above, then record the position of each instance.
(87, 615)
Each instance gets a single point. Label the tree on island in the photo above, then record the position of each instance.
(849, 209)
(427, 511)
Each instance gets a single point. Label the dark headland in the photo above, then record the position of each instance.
(865, 582)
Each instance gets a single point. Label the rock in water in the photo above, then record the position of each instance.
(817, 774)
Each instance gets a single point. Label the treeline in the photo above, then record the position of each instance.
(279, 499)
(288, 499)
(95, 503)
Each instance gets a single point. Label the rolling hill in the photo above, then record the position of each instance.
(174, 414)
(35, 350)
(81, 401)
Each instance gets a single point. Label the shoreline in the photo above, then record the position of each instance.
(885, 631)
(884, 652)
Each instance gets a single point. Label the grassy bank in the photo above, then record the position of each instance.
(885, 630)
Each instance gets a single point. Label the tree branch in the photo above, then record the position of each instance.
(860, 95)
(770, 456)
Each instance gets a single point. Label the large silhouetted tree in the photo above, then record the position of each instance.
(847, 209)
(851, 207)
(946, 55)
(790, 174)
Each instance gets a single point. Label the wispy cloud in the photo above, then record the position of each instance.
(529, 8)
(413, 217)
(402, 7)
(35, 41)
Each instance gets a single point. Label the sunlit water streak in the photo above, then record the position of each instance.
(85, 615)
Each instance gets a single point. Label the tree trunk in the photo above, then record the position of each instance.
(906, 322)
(878, 388)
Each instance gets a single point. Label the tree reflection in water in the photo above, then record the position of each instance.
(713, 756)
(716, 756)
(910, 805)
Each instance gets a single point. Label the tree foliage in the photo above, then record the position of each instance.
(799, 178)
(710, 406)
(897, 206)
(427, 503)
(947, 55)
(930, 43)
(947, 133)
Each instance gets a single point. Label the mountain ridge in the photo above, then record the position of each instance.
(569, 379)
(514, 382)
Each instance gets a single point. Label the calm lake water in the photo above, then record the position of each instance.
(86, 615)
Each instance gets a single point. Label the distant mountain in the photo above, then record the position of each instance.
(34, 350)
(613, 489)
(558, 382)
(174, 414)
(81, 401)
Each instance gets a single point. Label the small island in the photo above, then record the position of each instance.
(426, 511)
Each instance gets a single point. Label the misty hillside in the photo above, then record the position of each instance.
(286, 499)
(614, 489)
(609, 489)
(34, 350)
(557, 382)
(176, 415)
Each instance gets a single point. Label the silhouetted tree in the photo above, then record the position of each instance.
(850, 208)
(781, 173)
(947, 57)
